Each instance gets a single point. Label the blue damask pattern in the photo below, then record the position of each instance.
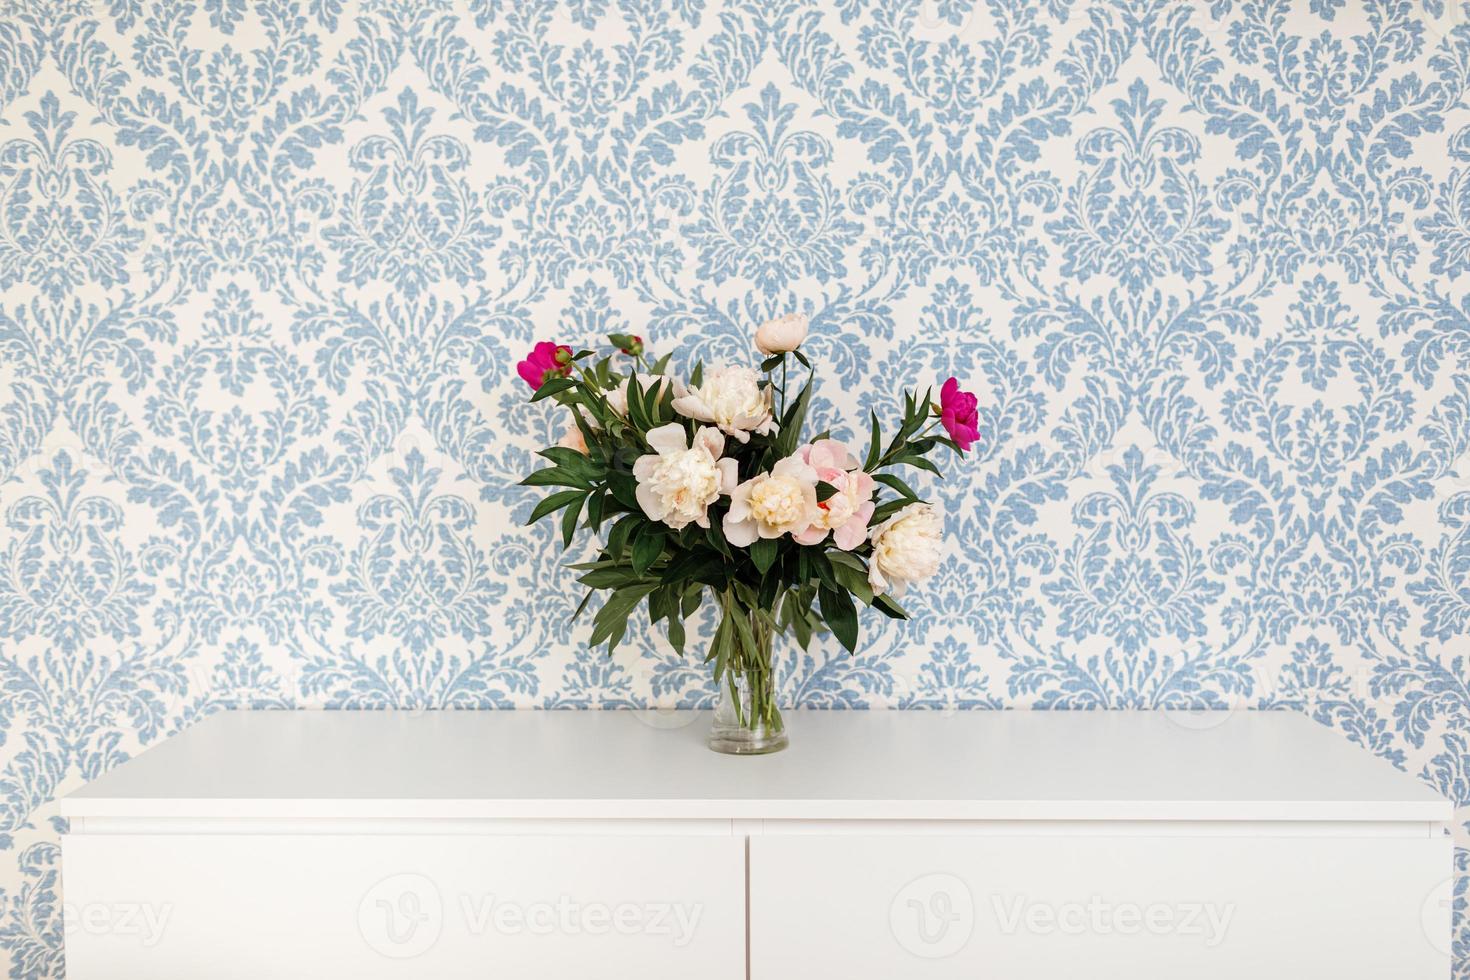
(266, 266)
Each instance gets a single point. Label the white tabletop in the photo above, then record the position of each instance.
(1011, 765)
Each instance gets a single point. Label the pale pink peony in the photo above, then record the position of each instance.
(846, 513)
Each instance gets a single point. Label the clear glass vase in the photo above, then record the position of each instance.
(748, 720)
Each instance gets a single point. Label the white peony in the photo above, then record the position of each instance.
(731, 398)
(781, 335)
(768, 505)
(679, 480)
(906, 548)
(618, 397)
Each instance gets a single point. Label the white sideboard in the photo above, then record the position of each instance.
(889, 845)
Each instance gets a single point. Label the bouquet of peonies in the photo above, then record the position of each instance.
(706, 488)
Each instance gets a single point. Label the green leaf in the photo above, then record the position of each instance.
(852, 575)
(612, 618)
(651, 399)
(570, 459)
(555, 386)
(886, 510)
(663, 409)
(696, 377)
(824, 490)
(647, 546)
(676, 634)
(771, 586)
(624, 490)
(716, 536)
(555, 476)
(801, 628)
(889, 608)
(722, 647)
(894, 483)
(774, 361)
(763, 553)
(609, 578)
(661, 604)
(556, 502)
(746, 637)
(840, 614)
(595, 503)
(919, 462)
(617, 538)
(636, 414)
(697, 566)
(569, 521)
(746, 594)
(875, 443)
(794, 421)
(822, 568)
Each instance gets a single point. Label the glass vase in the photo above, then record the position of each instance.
(748, 720)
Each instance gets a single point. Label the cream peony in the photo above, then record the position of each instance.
(905, 549)
(618, 397)
(768, 505)
(846, 513)
(781, 335)
(678, 481)
(731, 398)
(573, 439)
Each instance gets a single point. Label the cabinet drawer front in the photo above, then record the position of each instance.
(1116, 907)
(220, 906)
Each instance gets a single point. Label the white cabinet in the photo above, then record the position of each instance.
(375, 906)
(1036, 908)
(880, 845)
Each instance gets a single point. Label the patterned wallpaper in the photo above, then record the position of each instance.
(267, 266)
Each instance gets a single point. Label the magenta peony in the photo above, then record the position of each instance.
(957, 412)
(546, 361)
